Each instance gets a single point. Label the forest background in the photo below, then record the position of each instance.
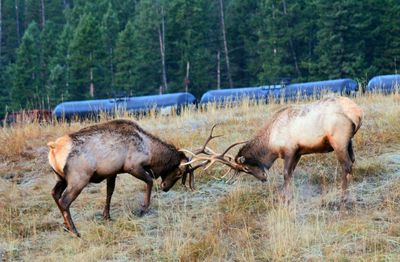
(57, 50)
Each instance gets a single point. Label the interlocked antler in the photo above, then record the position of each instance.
(208, 157)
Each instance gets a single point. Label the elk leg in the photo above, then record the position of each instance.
(69, 195)
(289, 166)
(110, 191)
(56, 193)
(146, 203)
(143, 175)
(346, 164)
(351, 152)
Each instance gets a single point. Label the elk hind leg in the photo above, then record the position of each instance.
(72, 191)
(347, 166)
(56, 193)
(351, 151)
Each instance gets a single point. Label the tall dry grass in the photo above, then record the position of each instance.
(236, 220)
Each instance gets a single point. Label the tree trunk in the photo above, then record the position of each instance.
(221, 7)
(17, 20)
(112, 66)
(42, 10)
(291, 42)
(161, 34)
(91, 88)
(187, 77)
(219, 70)
(91, 83)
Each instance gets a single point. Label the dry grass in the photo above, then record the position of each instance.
(239, 220)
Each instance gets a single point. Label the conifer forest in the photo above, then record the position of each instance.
(59, 50)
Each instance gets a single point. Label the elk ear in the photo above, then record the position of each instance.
(241, 160)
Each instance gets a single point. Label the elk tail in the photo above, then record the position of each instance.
(353, 112)
(51, 144)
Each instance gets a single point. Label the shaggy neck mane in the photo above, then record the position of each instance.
(257, 148)
(165, 157)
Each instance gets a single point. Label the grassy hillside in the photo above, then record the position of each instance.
(239, 219)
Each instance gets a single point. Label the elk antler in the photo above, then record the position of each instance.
(204, 147)
(222, 158)
(209, 157)
(203, 150)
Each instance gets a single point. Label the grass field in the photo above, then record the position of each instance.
(236, 220)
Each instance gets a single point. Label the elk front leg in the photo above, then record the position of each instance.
(143, 175)
(110, 191)
(289, 166)
(147, 196)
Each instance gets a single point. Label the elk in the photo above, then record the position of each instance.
(103, 151)
(320, 127)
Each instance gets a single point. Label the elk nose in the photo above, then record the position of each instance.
(163, 185)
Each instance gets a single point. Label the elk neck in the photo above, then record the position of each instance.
(164, 157)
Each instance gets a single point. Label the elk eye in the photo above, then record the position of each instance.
(241, 159)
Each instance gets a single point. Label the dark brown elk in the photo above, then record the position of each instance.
(103, 151)
(320, 127)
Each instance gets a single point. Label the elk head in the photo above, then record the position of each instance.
(246, 158)
(170, 178)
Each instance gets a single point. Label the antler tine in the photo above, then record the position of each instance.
(197, 158)
(230, 147)
(210, 163)
(211, 151)
(187, 151)
(210, 137)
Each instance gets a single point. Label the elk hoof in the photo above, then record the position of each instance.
(142, 211)
(347, 204)
(74, 233)
(106, 217)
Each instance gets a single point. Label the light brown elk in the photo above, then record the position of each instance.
(320, 127)
(105, 150)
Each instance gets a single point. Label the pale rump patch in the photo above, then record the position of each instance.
(351, 110)
(58, 154)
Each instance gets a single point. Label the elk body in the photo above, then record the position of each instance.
(320, 127)
(103, 151)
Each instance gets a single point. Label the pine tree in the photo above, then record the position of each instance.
(283, 41)
(27, 89)
(109, 29)
(242, 21)
(341, 39)
(10, 38)
(32, 12)
(384, 45)
(143, 67)
(87, 59)
(58, 83)
(192, 37)
(124, 60)
(125, 10)
(48, 49)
